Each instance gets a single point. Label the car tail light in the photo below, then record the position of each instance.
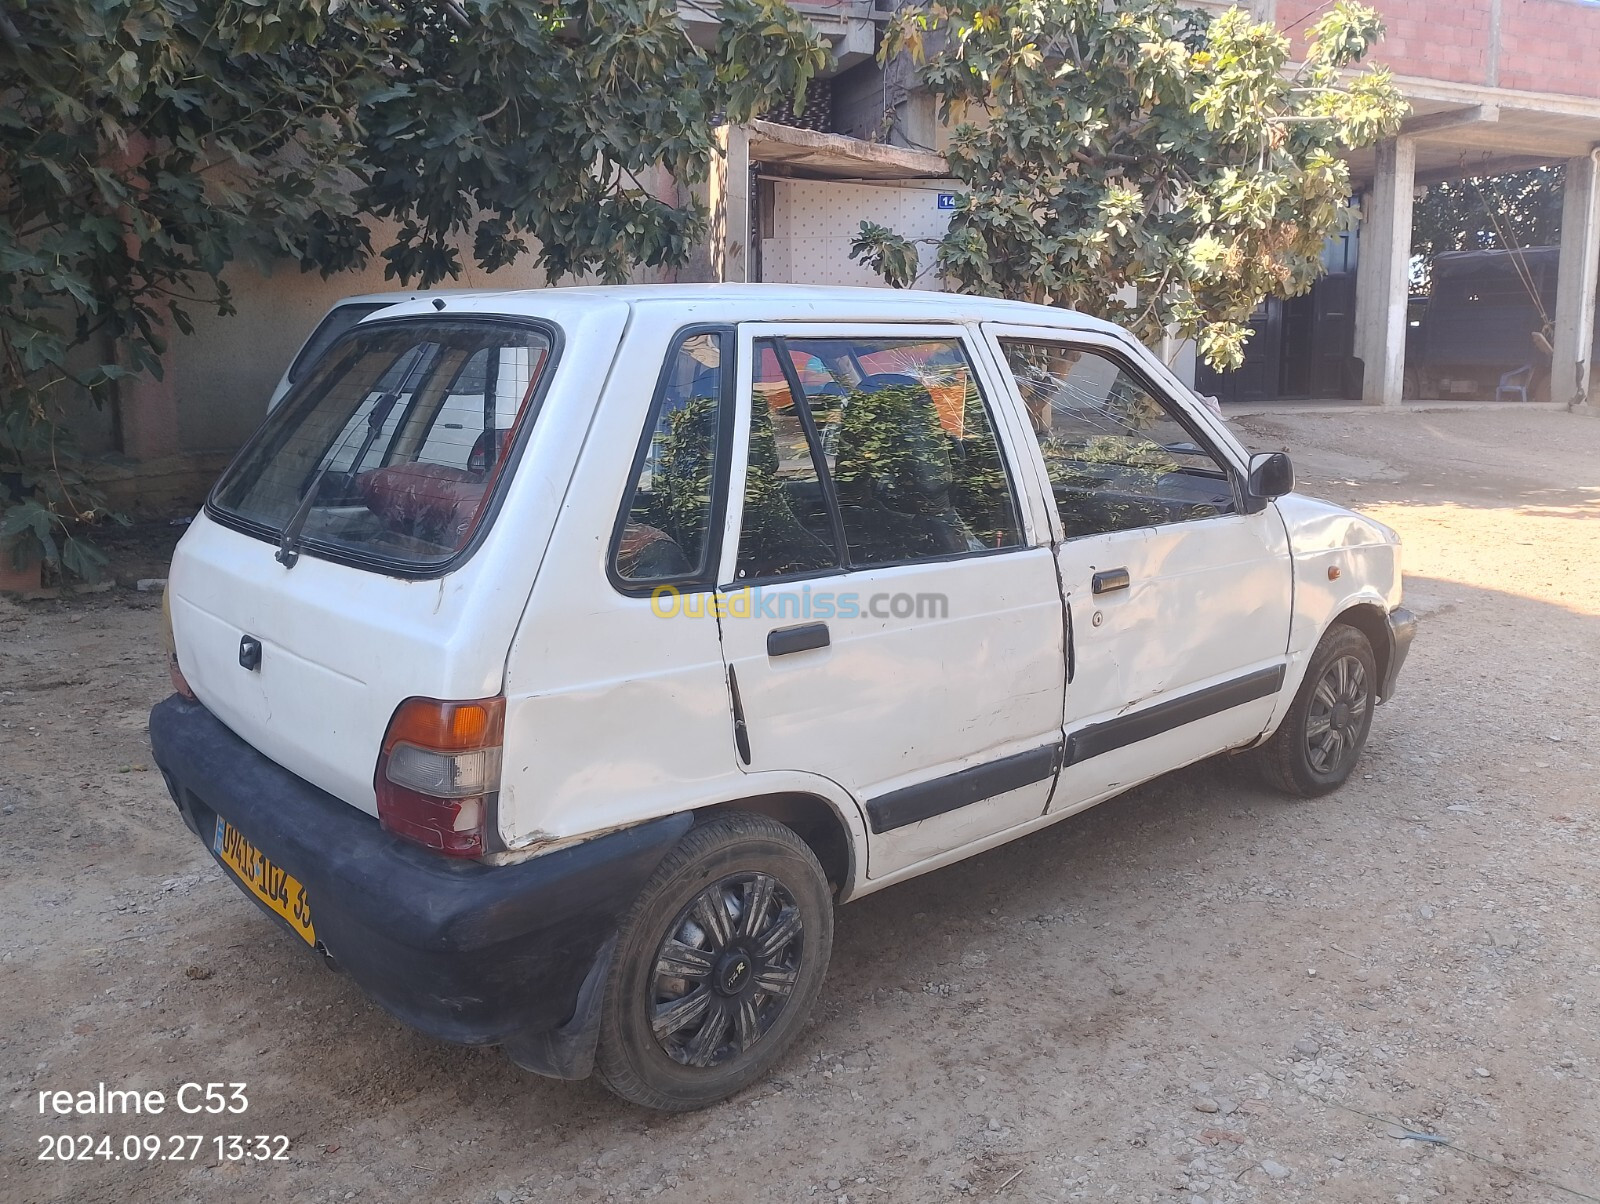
(439, 773)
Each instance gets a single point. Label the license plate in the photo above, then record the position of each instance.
(267, 882)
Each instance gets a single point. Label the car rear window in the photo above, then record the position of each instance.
(337, 321)
(391, 447)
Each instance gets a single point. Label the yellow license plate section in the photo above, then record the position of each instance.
(267, 882)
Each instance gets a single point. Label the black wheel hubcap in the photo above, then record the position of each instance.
(1337, 715)
(726, 969)
(733, 972)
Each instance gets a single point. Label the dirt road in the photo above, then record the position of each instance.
(1197, 992)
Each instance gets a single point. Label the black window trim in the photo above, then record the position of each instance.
(705, 580)
(387, 566)
(845, 566)
(819, 457)
(300, 362)
(1126, 362)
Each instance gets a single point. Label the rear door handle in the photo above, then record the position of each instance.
(1111, 580)
(786, 641)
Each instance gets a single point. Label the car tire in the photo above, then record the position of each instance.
(718, 965)
(1321, 738)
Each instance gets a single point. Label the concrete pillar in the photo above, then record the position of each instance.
(919, 126)
(1491, 75)
(1366, 283)
(729, 201)
(1383, 283)
(1575, 284)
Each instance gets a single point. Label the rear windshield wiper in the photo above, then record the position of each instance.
(289, 545)
(288, 553)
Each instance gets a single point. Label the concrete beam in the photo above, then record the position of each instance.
(1422, 91)
(1575, 283)
(1383, 279)
(836, 157)
(1509, 139)
(1449, 121)
(1487, 165)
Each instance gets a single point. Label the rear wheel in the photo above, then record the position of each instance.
(718, 965)
(1320, 740)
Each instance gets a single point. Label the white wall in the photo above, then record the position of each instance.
(814, 221)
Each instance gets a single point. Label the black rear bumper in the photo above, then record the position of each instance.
(466, 952)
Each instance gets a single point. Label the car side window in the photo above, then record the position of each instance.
(1117, 456)
(665, 528)
(906, 444)
(787, 528)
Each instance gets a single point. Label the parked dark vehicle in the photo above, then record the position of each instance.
(1484, 332)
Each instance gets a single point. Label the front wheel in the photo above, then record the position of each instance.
(1319, 741)
(718, 965)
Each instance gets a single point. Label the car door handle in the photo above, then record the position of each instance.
(786, 641)
(1110, 580)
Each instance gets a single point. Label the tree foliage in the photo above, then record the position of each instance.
(147, 144)
(1140, 146)
(1489, 213)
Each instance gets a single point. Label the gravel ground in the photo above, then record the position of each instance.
(1197, 992)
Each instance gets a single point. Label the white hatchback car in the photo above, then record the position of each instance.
(554, 661)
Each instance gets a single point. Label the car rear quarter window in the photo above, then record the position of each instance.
(664, 533)
(394, 443)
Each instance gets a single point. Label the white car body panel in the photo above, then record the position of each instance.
(631, 717)
(615, 715)
(890, 703)
(342, 646)
(1324, 537)
(1208, 600)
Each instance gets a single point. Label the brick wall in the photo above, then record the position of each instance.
(1542, 45)
(1550, 46)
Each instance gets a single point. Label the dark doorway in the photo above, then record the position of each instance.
(1301, 347)
(1256, 380)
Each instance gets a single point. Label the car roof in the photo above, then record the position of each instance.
(743, 303)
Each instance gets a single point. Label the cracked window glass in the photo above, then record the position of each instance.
(1117, 457)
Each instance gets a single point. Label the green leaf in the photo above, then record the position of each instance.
(1140, 147)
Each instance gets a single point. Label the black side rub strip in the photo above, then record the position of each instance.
(1117, 733)
(927, 799)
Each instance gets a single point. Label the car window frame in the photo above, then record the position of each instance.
(705, 580)
(304, 359)
(1189, 418)
(819, 463)
(995, 399)
(490, 514)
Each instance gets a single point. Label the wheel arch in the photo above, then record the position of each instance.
(814, 819)
(1372, 621)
